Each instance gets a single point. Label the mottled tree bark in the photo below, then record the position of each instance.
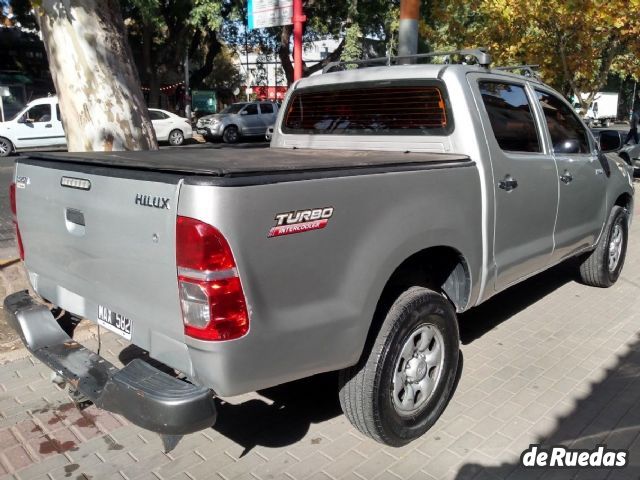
(96, 80)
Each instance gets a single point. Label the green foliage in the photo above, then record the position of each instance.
(577, 43)
(352, 43)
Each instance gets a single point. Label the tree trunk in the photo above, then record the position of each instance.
(284, 52)
(97, 82)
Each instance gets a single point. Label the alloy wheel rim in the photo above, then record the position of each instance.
(175, 138)
(418, 370)
(4, 147)
(615, 247)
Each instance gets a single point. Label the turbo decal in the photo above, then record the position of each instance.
(299, 221)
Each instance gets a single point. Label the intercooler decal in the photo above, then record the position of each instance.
(300, 221)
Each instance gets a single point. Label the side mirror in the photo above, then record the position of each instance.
(610, 141)
(567, 146)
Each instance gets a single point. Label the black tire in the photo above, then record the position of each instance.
(176, 137)
(597, 268)
(231, 134)
(6, 147)
(366, 389)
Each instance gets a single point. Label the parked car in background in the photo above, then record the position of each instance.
(631, 155)
(244, 119)
(170, 127)
(38, 125)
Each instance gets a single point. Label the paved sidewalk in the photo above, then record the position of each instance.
(549, 361)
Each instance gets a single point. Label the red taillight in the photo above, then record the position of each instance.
(14, 211)
(211, 296)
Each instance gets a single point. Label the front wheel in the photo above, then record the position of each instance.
(231, 134)
(602, 267)
(6, 147)
(403, 383)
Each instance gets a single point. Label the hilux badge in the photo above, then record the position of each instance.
(150, 201)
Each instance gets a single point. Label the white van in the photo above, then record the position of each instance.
(38, 125)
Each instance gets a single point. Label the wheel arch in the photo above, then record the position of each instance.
(443, 269)
(625, 200)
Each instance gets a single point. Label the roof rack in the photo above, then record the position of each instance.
(527, 69)
(480, 54)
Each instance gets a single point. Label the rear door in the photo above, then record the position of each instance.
(267, 115)
(106, 241)
(581, 177)
(525, 178)
(161, 124)
(251, 122)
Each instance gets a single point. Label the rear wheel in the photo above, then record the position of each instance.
(176, 137)
(231, 134)
(602, 267)
(402, 384)
(6, 147)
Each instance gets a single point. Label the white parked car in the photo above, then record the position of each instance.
(39, 126)
(170, 127)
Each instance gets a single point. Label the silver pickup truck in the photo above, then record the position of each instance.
(391, 199)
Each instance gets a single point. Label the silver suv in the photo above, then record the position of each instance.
(238, 120)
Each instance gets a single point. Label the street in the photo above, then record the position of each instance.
(549, 361)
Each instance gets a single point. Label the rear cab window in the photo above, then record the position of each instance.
(370, 108)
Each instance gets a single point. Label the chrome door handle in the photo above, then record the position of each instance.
(48, 125)
(566, 177)
(508, 183)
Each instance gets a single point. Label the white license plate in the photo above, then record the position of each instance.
(202, 131)
(114, 321)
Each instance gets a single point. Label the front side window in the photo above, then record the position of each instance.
(367, 108)
(251, 109)
(38, 113)
(567, 133)
(511, 116)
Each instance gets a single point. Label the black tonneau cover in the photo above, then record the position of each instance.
(243, 162)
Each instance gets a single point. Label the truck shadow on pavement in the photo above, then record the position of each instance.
(500, 308)
(608, 415)
(284, 417)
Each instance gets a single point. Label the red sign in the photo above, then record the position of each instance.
(270, 93)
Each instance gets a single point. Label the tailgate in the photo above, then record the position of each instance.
(111, 246)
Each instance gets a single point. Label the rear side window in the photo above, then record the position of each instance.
(510, 115)
(567, 133)
(266, 108)
(369, 109)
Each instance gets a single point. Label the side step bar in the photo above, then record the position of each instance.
(140, 392)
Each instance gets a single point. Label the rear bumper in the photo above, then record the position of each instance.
(141, 393)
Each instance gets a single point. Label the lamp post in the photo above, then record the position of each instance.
(408, 32)
(4, 92)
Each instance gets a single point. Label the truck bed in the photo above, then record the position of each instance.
(254, 162)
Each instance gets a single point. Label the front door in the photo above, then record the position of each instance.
(524, 176)
(581, 178)
(38, 127)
